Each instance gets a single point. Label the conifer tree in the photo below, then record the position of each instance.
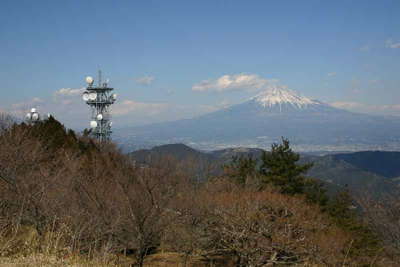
(280, 168)
(241, 168)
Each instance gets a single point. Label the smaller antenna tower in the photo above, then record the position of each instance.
(33, 116)
(99, 97)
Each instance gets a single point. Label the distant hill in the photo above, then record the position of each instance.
(380, 162)
(179, 151)
(182, 152)
(336, 170)
(357, 180)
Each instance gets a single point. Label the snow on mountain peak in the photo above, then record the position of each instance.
(279, 96)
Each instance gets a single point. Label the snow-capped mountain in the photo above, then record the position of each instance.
(279, 96)
(278, 101)
(268, 116)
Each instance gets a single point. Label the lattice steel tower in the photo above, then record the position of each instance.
(99, 97)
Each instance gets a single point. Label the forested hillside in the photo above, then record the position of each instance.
(357, 172)
(380, 162)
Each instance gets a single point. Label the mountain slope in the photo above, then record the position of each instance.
(335, 172)
(178, 151)
(359, 181)
(266, 117)
(380, 162)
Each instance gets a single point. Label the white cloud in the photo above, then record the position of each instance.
(19, 109)
(170, 92)
(365, 48)
(331, 74)
(129, 106)
(224, 103)
(391, 44)
(145, 80)
(73, 112)
(69, 92)
(247, 82)
(348, 105)
(67, 106)
(367, 108)
(355, 86)
(374, 81)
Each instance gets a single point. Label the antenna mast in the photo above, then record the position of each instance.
(99, 84)
(99, 98)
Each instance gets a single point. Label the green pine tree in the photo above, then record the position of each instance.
(280, 167)
(241, 168)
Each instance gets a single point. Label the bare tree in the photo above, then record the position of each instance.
(6, 120)
(384, 217)
(257, 228)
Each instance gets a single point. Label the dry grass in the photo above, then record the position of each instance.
(46, 260)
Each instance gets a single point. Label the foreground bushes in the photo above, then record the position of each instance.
(256, 228)
(71, 196)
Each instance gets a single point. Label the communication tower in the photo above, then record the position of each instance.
(99, 97)
(33, 116)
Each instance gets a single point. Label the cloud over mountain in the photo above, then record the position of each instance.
(266, 117)
(391, 44)
(236, 82)
(393, 109)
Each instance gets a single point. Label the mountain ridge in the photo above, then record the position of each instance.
(267, 117)
(335, 172)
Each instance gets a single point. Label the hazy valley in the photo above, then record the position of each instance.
(310, 125)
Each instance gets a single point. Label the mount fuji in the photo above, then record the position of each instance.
(309, 124)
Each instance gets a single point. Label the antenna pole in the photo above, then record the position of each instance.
(99, 85)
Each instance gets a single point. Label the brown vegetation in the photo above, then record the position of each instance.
(66, 196)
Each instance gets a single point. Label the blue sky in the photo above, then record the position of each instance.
(156, 52)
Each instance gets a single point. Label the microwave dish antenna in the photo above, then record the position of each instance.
(92, 96)
(99, 97)
(89, 80)
(85, 96)
(33, 116)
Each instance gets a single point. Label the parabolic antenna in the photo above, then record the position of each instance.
(85, 96)
(110, 123)
(99, 117)
(33, 110)
(28, 116)
(93, 124)
(114, 96)
(35, 116)
(92, 96)
(89, 80)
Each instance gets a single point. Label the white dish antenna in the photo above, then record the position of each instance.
(33, 110)
(93, 124)
(92, 96)
(35, 116)
(89, 80)
(114, 96)
(85, 96)
(28, 116)
(99, 117)
(110, 123)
